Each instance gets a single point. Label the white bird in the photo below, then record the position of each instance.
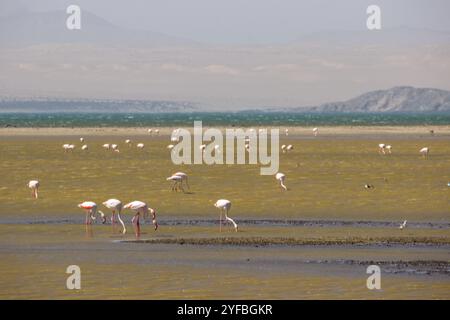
(389, 148)
(315, 131)
(225, 206)
(174, 139)
(128, 141)
(424, 152)
(149, 130)
(403, 225)
(34, 186)
(116, 206)
(283, 148)
(281, 177)
(114, 146)
(106, 146)
(81, 140)
(84, 147)
(140, 146)
(184, 178)
(68, 147)
(289, 147)
(91, 210)
(157, 131)
(140, 207)
(382, 148)
(286, 132)
(170, 146)
(177, 182)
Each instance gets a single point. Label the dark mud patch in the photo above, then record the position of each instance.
(280, 241)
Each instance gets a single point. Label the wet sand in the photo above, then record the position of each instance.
(313, 241)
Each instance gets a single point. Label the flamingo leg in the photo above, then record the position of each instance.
(135, 221)
(88, 220)
(220, 220)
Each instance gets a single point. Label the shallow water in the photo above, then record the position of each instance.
(326, 201)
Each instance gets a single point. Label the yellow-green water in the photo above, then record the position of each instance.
(325, 178)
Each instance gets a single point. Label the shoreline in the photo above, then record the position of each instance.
(439, 130)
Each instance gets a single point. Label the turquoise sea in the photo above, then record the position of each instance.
(217, 119)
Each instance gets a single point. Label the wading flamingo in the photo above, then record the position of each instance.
(34, 186)
(128, 142)
(170, 146)
(177, 182)
(424, 152)
(382, 148)
(116, 206)
(281, 177)
(106, 146)
(91, 210)
(184, 178)
(389, 149)
(140, 146)
(114, 147)
(289, 148)
(403, 225)
(140, 207)
(315, 131)
(81, 140)
(225, 206)
(84, 147)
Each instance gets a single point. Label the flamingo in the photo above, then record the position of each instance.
(157, 131)
(34, 186)
(281, 177)
(424, 152)
(170, 146)
(150, 130)
(68, 147)
(140, 146)
(128, 141)
(315, 131)
(91, 210)
(403, 225)
(289, 148)
(81, 140)
(286, 132)
(177, 182)
(283, 148)
(382, 148)
(140, 207)
(224, 206)
(106, 146)
(184, 178)
(389, 148)
(116, 206)
(114, 146)
(84, 147)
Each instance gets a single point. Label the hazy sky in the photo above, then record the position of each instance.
(251, 21)
(249, 55)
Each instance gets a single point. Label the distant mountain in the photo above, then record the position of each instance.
(24, 27)
(397, 99)
(42, 105)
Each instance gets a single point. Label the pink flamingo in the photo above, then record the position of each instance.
(34, 186)
(225, 206)
(140, 207)
(91, 210)
(116, 206)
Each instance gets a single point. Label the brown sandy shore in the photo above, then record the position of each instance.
(439, 131)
